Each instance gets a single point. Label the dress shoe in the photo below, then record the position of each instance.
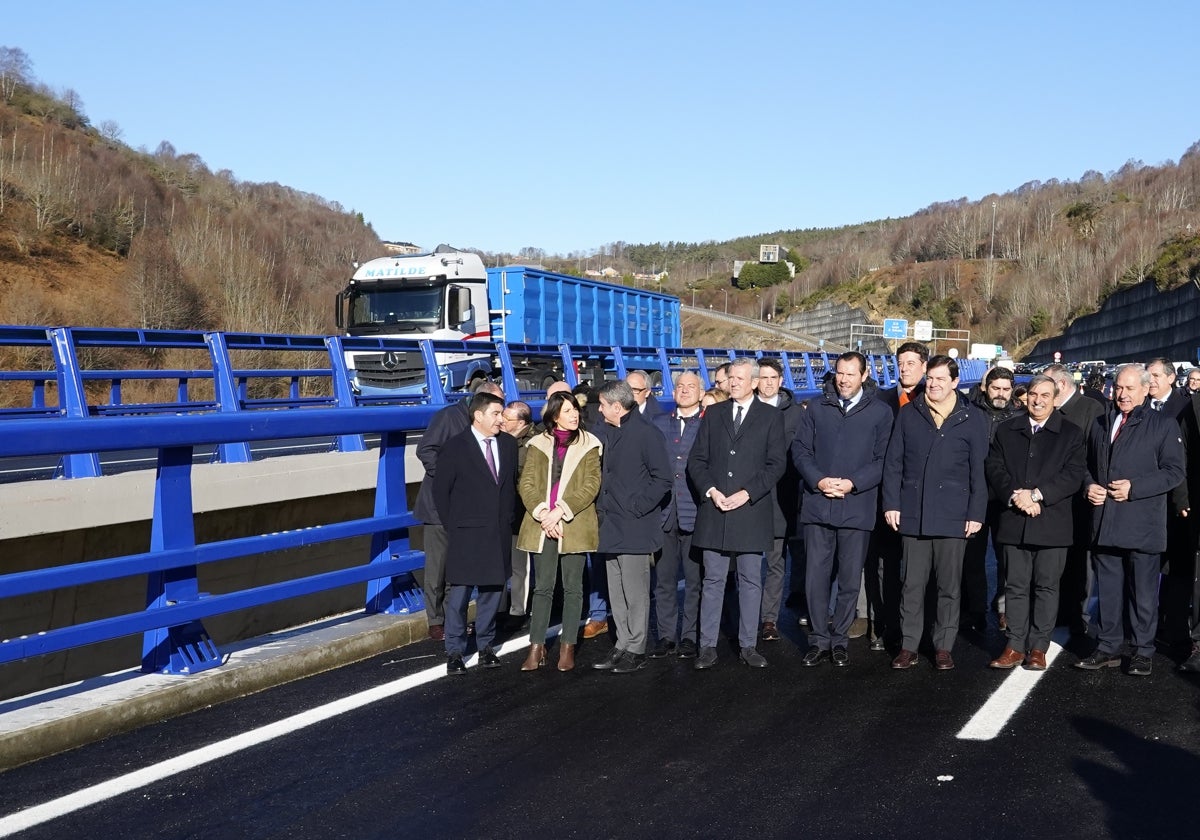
(770, 632)
(1139, 666)
(594, 628)
(877, 643)
(455, 665)
(629, 662)
(610, 661)
(942, 660)
(905, 659)
(1002, 622)
(814, 656)
(488, 658)
(751, 657)
(437, 632)
(858, 628)
(1008, 660)
(687, 649)
(663, 649)
(707, 658)
(1036, 661)
(1192, 663)
(1098, 660)
(566, 656)
(840, 656)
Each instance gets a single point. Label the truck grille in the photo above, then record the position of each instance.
(390, 370)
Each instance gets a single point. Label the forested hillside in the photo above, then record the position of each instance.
(95, 232)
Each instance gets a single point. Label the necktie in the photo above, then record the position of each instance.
(491, 459)
(1156, 405)
(1120, 424)
(737, 419)
(845, 404)
(1037, 427)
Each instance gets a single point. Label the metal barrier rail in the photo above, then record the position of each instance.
(174, 639)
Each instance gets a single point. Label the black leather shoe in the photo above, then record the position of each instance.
(751, 657)
(630, 662)
(663, 649)
(706, 659)
(1139, 666)
(488, 658)
(687, 649)
(1192, 663)
(815, 656)
(1097, 661)
(840, 656)
(455, 664)
(609, 662)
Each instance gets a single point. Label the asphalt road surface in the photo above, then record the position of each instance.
(861, 751)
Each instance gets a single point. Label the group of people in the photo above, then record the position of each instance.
(883, 500)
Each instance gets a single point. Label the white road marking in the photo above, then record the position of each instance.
(994, 715)
(63, 805)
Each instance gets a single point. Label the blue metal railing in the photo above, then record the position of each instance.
(80, 426)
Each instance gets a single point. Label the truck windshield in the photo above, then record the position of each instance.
(405, 310)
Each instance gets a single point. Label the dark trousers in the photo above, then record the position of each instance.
(1178, 580)
(1127, 592)
(675, 559)
(837, 553)
(487, 604)
(712, 601)
(884, 576)
(546, 566)
(943, 557)
(433, 582)
(1031, 595)
(773, 574)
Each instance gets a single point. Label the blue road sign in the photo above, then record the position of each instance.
(895, 328)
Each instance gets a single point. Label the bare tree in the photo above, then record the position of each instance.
(15, 69)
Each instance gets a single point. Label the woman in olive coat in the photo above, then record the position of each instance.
(558, 486)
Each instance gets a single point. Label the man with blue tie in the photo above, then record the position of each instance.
(474, 490)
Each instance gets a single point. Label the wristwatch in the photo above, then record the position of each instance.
(1036, 495)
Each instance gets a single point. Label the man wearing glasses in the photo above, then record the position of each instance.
(647, 405)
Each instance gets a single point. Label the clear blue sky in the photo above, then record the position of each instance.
(565, 125)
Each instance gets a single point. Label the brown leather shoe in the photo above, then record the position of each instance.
(566, 657)
(770, 632)
(1002, 622)
(594, 628)
(906, 659)
(1008, 660)
(1036, 661)
(942, 660)
(437, 632)
(536, 658)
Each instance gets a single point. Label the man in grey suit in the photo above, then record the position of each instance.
(737, 459)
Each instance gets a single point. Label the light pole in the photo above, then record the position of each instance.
(992, 251)
(760, 305)
(726, 301)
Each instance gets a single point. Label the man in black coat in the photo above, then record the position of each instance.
(735, 463)
(1164, 396)
(1183, 564)
(445, 424)
(1135, 459)
(1035, 467)
(475, 491)
(1078, 579)
(635, 486)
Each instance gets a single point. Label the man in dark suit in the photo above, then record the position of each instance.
(735, 463)
(445, 424)
(1164, 396)
(839, 451)
(1035, 468)
(1077, 580)
(881, 576)
(475, 491)
(935, 496)
(1135, 459)
(643, 394)
(1183, 563)
(679, 430)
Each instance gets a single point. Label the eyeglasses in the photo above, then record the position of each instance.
(640, 390)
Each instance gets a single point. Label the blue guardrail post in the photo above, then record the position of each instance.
(187, 648)
(396, 595)
(72, 398)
